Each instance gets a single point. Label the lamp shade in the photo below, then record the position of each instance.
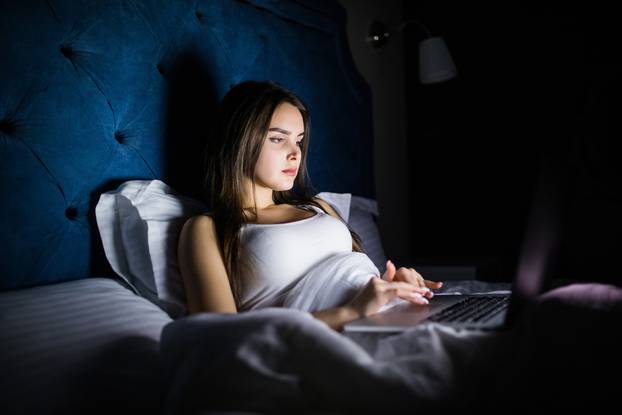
(435, 62)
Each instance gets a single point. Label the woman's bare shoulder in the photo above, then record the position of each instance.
(199, 222)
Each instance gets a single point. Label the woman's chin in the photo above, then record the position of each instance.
(284, 186)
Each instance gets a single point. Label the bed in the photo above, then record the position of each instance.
(94, 94)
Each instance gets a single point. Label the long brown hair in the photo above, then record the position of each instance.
(231, 154)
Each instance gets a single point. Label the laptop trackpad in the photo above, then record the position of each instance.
(403, 315)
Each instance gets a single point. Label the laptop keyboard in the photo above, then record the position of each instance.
(472, 310)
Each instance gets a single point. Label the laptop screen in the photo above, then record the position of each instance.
(541, 240)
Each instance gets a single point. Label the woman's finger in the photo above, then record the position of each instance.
(412, 296)
(420, 280)
(433, 284)
(389, 273)
(405, 274)
(406, 286)
(410, 275)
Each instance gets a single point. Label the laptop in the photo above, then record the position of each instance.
(493, 311)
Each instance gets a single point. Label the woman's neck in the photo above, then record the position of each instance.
(260, 198)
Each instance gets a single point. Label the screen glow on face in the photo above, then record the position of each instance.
(281, 149)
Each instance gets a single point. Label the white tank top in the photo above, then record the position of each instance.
(281, 253)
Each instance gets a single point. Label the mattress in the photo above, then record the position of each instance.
(84, 345)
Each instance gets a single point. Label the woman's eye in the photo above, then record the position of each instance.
(279, 139)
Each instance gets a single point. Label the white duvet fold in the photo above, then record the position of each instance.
(278, 360)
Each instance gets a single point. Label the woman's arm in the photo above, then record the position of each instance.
(336, 317)
(376, 293)
(202, 268)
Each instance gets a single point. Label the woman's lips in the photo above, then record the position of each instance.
(291, 172)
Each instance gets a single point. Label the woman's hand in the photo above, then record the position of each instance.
(379, 291)
(411, 276)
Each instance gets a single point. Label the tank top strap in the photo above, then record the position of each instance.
(317, 209)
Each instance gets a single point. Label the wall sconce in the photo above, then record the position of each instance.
(435, 62)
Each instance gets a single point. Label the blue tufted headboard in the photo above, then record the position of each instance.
(94, 93)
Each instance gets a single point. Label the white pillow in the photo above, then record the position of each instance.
(361, 214)
(139, 224)
(339, 201)
(364, 221)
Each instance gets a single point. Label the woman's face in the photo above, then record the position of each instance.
(281, 149)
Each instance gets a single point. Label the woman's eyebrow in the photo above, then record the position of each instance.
(280, 130)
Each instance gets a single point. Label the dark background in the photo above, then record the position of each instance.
(534, 83)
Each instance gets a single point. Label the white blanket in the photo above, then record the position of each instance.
(284, 360)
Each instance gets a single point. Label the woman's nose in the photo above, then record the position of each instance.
(295, 150)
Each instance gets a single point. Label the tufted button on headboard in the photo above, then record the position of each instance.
(95, 93)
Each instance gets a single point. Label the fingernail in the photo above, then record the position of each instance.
(425, 288)
(420, 297)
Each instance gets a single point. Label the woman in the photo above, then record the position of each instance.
(257, 154)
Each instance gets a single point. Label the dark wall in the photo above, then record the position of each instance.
(533, 83)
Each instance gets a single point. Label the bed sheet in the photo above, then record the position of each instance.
(82, 346)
